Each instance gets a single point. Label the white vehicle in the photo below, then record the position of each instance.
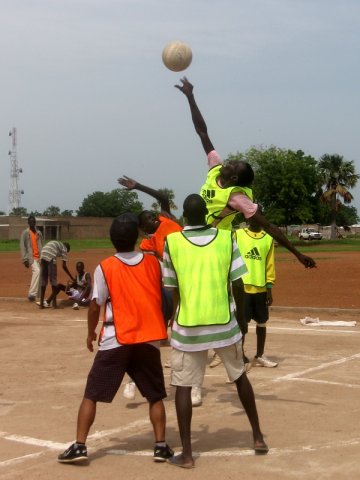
(309, 234)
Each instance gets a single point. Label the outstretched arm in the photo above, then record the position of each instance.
(199, 123)
(66, 270)
(277, 234)
(131, 184)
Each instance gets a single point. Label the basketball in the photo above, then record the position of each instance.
(177, 56)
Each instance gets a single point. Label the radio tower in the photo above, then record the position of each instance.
(14, 192)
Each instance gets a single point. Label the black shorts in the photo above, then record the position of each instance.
(141, 362)
(255, 307)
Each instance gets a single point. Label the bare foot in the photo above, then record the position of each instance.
(260, 447)
(181, 461)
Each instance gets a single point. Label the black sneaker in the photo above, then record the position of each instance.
(74, 453)
(161, 454)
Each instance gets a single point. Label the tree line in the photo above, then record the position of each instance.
(292, 188)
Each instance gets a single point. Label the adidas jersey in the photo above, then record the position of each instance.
(257, 251)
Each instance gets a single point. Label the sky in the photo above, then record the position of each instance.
(83, 83)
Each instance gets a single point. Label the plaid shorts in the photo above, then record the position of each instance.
(141, 362)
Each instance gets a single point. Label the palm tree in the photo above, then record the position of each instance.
(338, 175)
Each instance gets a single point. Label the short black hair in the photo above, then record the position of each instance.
(141, 217)
(245, 174)
(124, 232)
(67, 246)
(195, 210)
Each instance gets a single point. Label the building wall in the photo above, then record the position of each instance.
(57, 228)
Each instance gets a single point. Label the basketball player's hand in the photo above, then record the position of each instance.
(269, 297)
(308, 262)
(89, 341)
(186, 87)
(127, 182)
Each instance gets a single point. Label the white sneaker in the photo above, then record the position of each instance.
(263, 362)
(216, 360)
(130, 391)
(76, 306)
(46, 305)
(196, 399)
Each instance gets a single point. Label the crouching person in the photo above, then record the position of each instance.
(128, 285)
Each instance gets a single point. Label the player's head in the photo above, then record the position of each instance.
(148, 221)
(80, 267)
(124, 232)
(237, 173)
(195, 210)
(67, 246)
(31, 221)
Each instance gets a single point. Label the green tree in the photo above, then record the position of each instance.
(67, 213)
(285, 184)
(171, 196)
(110, 204)
(51, 211)
(19, 212)
(337, 176)
(36, 213)
(346, 215)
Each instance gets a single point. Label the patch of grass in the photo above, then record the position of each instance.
(9, 246)
(14, 245)
(339, 245)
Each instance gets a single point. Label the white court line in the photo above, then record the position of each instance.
(250, 452)
(61, 446)
(139, 423)
(14, 461)
(290, 376)
(325, 382)
(35, 441)
(216, 453)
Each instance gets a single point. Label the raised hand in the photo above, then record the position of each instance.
(186, 87)
(127, 182)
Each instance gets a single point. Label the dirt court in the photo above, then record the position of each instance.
(308, 406)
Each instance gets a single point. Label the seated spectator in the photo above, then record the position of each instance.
(79, 291)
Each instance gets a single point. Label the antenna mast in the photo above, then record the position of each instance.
(14, 192)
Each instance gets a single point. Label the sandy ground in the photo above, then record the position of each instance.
(308, 406)
(333, 284)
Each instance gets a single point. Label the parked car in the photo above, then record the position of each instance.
(309, 234)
